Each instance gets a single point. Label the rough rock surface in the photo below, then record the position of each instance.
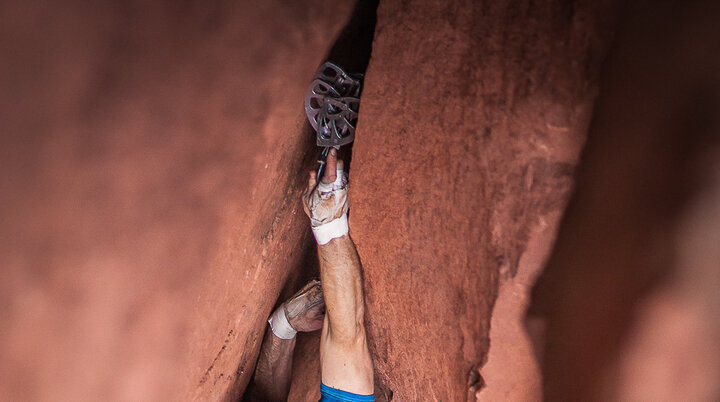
(630, 294)
(457, 159)
(151, 158)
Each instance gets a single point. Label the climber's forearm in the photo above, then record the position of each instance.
(342, 287)
(272, 375)
(345, 361)
(344, 356)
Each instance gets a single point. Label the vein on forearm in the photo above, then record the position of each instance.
(342, 288)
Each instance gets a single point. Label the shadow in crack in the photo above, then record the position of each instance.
(353, 48)
(351, 51)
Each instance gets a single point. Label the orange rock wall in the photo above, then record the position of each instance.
(472, 120)
(151, 157)
(629, 297)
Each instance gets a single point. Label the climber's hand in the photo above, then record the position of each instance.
(327, 201)
(306, 309)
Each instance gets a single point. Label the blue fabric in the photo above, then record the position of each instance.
(335, 395)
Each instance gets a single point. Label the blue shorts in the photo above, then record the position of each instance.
(335, 395)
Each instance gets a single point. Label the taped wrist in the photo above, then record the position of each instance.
(331, 230)
(280, 325)
(329, 209)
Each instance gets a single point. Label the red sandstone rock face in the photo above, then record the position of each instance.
(626, 294)
(152, 155)
(155, 157)
(471, 123)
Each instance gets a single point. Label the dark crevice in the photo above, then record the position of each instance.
(353, 46)
(352, 51)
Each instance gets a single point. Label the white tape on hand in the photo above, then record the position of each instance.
(331, 230)
(329, 208)
(280, 325)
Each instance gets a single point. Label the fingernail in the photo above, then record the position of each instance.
(333, 152)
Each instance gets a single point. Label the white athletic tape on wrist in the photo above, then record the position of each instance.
(338, 227)
(331, 230)
(280, 325)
